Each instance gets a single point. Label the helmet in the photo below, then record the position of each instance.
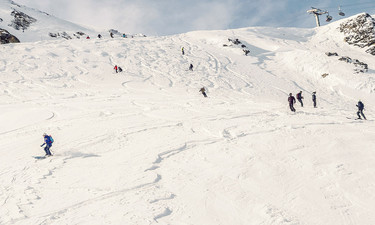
(290, 94)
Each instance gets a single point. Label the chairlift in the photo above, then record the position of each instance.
(328, 18)
(341, 13)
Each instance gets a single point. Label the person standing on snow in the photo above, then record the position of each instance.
(314, 98)
(115, 68)
(48, 140)
(183, 51)
(191, 67)
(203, 90)
(111, 34)
(99, 36)
(291, 101)
(299, 98)
(361, 107)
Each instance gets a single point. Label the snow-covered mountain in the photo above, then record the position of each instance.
(145, 147)
(30, 25)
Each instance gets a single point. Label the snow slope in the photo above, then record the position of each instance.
(145, 147)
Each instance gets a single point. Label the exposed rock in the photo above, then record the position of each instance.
(346, 59)
(21, 21)
(13, 3)
(361, 67)
(371, 50)
(78, 34)
(331, 54)
(235, 41)
(360, 31)
(6, 37)
(324, 75)
(53, 35)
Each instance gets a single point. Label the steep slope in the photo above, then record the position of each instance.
(144, 146)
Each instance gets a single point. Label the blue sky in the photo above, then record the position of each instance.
(164, 17)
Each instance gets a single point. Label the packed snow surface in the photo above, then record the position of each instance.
(145, 147)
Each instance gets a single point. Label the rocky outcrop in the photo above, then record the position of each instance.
(361, 67)
(238, 43)
(360, 32)
(21, 21)
(332, 54)
(6, 37)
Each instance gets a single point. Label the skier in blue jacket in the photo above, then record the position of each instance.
(361, 107)
(48, 140)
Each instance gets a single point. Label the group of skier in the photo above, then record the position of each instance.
(299, 97)
(117, 69)
(202, 90)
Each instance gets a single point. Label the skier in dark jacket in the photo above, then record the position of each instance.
(299, 98)
(48, 140)
(314, 98)
(203, 90)
(361, 107)
(191, 67)
(99, 36)
(291, 101)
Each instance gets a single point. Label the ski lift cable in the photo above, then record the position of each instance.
(349, 6)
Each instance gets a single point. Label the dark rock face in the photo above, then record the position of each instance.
(371, 50)
(21, 21)
(331, 54)
(6, 37)
(360, 32)
(361, 67)
(62, 34)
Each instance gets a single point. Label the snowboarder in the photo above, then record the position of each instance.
(48, 140)
(314, 98)
(203, 90)
(183, 51)
(119, 69)
(291, 101)
(191, 67)
(299, 98)
(99, 36)
(115, 68)
(361, 107)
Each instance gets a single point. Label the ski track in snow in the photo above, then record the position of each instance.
(144, 147)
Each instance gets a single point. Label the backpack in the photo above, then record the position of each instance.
(51, 139)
